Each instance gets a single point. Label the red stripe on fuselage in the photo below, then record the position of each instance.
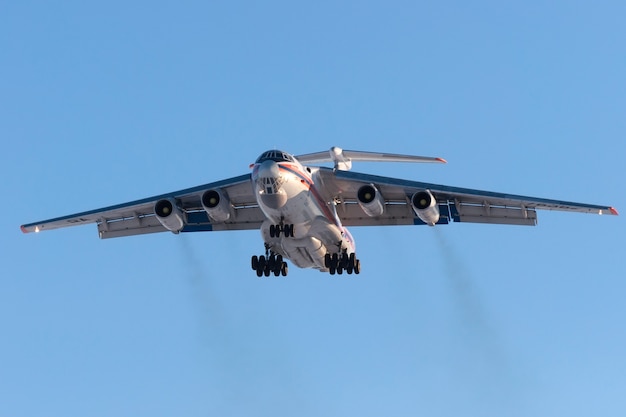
(321, 203)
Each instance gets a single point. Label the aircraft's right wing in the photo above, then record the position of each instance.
(138, 217)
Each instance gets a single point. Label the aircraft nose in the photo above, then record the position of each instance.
(269, 177)
(269, 183)
(269, 169)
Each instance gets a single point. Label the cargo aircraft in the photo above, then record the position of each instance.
(303, 211)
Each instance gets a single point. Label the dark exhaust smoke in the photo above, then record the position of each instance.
(482, 360)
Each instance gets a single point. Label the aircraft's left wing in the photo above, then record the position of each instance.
(455, 204)
(137, 217)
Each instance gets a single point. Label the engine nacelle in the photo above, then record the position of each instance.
(425, 206)
(169, 215)
(370, 200)
(216, 205)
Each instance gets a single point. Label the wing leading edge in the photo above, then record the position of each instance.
(455, 203)
(137, 217)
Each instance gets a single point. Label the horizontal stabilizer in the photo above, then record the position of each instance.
(343, 158)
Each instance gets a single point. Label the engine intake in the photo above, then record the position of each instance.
(425, 207)
(216, 204)
(169, 215)
(370, 200)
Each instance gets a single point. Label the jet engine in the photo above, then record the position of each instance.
(216, 205)
(370, 200)
(169, 215)
(425, 206)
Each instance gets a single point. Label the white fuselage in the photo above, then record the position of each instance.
(287, 194)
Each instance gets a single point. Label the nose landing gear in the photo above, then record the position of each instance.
(277, 229)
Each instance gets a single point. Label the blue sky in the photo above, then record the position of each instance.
(106, 103)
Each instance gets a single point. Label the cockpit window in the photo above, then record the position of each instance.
(276, 156)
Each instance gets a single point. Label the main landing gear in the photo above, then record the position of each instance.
(337, 263)
(269, 264)
(277, 229)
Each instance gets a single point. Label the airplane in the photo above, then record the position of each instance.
(303, 211)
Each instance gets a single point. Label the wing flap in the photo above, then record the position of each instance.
(486, 213)
(395, 215)
(137, 225)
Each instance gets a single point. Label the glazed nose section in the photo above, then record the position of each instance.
(269, 178)
(269, 184)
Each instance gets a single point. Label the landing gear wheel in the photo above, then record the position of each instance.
(268, 264)
(277, 229)
(338, 263)
(276, 263)
(343, 261)
(351, 260)
(350, 263)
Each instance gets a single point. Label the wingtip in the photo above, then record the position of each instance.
(28, 228)
(614, 211)
(443, 161)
